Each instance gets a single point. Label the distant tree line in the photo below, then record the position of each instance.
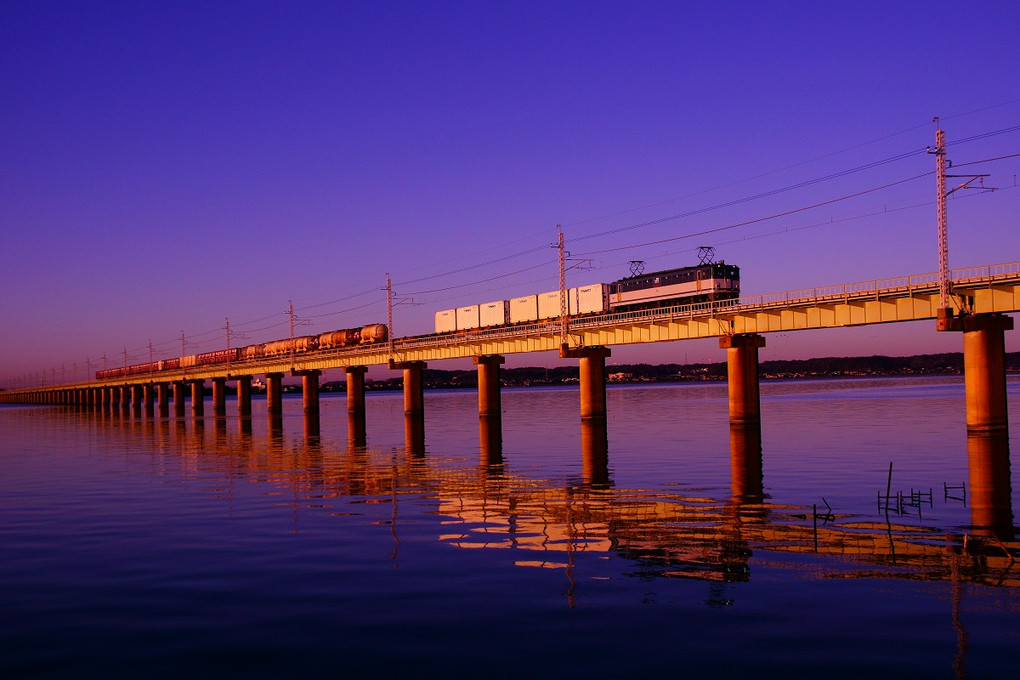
(827, 367)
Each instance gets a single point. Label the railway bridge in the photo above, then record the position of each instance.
(978, 307)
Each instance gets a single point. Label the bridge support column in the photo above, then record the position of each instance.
(274, 394)
(114, 397)
(244, 396)
(147, 399)
(309, 390)
(592, 369)
(136, 400)
(162, 399)
(125, 399)
(197, 398)
(414, 386)
(219, 397)
(179, 398)
(490, 409)
(489, 404)
(742, 371)
(356, 431)
(310, 401)
(414, 405)
(984, 367)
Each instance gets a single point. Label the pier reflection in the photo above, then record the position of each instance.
(490, 440)
(313, 429)
(595, 453)
(356, 431)
(990, 489)
(414, 434)
(745, 462)
(483, 504)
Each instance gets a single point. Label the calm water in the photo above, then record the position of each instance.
(133, 548)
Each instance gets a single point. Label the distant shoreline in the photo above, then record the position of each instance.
(945, 364)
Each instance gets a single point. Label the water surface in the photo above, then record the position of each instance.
(666, 544)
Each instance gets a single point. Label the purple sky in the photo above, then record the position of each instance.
(166, 166)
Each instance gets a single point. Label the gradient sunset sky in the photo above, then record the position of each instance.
(167, 166)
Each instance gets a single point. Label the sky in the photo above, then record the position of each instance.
(169, 169)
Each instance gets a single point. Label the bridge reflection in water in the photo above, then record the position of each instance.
(665, 534)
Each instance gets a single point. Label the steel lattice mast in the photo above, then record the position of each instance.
(389, 314)
(940, 201)
(563, 285)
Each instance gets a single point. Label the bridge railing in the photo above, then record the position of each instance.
(807, 296)
(913, 283)
(840, 292)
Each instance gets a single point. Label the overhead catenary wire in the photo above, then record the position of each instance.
(644, 244)
(199, 339)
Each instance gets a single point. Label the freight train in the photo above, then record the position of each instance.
(348, 337)
(707, 282)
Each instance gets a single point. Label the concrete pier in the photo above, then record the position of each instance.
(309, 390)
(310, 402)
(136, 400)
(114, 399)
(162, 399)
(244, 396)
(742, 372)
(592, 369)
(197, 398)
(356, 430)
(148, 403)
(219, 397)
(179, 398)
(414, 386)
(984, 367)
(125, 399)
(274, 394)
(488, 385)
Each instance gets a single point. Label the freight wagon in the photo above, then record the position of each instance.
(709, 282)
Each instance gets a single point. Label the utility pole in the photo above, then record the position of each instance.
(940, 202)
(389, 314)
(563, 284)
(941, 164)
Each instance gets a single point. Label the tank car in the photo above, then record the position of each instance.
(375, 332)
(340, 338)
(304, 343)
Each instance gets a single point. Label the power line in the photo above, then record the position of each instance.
(745, 223)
